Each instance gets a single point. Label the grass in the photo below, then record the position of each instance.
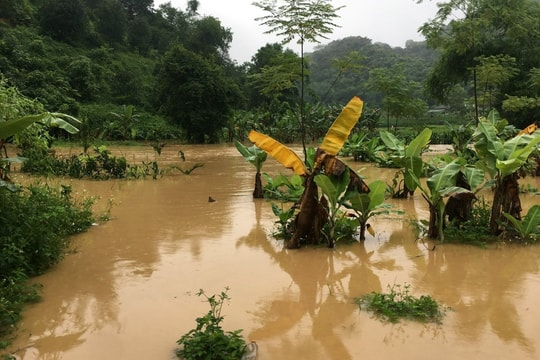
(398, 303)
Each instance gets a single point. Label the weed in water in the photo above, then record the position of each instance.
(208, 340)
(399, 303)
(475, 231)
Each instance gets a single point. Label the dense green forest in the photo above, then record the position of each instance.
(92, 58)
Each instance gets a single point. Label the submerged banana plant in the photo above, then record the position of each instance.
(313, 212)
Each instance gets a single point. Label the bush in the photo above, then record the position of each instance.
(208, 340)
(34, 229)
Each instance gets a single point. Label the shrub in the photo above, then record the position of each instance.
(34, 229)
(208, 340)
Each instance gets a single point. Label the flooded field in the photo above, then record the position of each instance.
(127, 289)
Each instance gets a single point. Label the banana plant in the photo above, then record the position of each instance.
(502, 161)
(407, 157)
(313, 213)
(333, 189)
(440, 185)
(529, 226)
(368, 205)
(256, 157)
(16, 126)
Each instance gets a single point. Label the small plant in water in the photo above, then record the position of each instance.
(208, 341)
(399, 303)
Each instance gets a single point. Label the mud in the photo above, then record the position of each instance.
(127, 289)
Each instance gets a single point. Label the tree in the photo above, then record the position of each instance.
(306, 21)
(195, 94)
(492, 73)
(16, 12)
(273, 75)
(63, 19)
(313, 213)
(137, 7)
(465, 30)
(208, 38)
(502, 159)
(400, 94)
(140, 35)
(111, 21)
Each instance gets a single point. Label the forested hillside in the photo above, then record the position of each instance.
(89, 58)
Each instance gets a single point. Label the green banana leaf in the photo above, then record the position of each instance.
(416, 146)
(13, 127)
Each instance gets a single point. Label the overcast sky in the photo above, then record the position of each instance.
(389, 21)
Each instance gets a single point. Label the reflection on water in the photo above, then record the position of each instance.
(127, 291)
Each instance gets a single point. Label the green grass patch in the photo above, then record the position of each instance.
(399, 303)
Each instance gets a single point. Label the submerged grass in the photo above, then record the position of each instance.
(399, 303)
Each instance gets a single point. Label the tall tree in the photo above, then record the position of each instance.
(63, 19)
(111, 21)
(305, 21)
(195, 93)
(16, 12)
(209, 39)
(465, 30)
(137, 7)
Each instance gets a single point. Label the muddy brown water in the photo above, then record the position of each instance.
(127, 289)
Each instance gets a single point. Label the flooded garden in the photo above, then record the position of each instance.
(127, 289)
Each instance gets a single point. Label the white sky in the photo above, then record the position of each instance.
(389, 21)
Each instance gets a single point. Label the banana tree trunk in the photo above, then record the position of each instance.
(505, 199)
(258, 192)
(312, 216)
(363, 231)
(433, 227)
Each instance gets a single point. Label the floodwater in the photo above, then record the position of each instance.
(127, 289)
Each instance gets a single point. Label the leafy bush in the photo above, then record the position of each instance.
(208, 340)
(398, 303)
(34, 228)
(100, 166)
(475, 230)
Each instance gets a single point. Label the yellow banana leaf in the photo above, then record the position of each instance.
(370, 230)
(342, 126)
(284, 155)
(529, 129)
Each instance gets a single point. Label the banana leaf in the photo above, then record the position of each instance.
(284, 155)
(342, 126)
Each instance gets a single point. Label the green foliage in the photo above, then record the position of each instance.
(101, 166)
(440, 185)
(283, 188)
(399, 303)
(187, 170)
(207, 95)
(528, 228)
(34, 228)
(208, 340)
(252, 154)
(368, 205)
(466, 42)
(407, 157)
(334, 190)
(413, 62)
(362, 147)
(474, 231)
(284, 221)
